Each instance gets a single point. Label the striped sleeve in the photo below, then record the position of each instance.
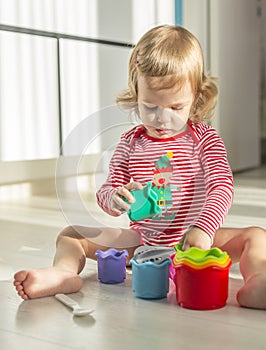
(218, 182)
(118, 174)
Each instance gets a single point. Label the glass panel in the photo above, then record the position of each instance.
(80, 94)
(92, 76)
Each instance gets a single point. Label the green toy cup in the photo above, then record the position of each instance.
(145, 205)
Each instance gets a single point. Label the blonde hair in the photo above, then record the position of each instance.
(173, 53)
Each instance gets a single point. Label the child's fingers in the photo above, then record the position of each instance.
(118, 204)
(116, 212)
(121, 204)
(134, 186)
(125, 192)
(186, 246)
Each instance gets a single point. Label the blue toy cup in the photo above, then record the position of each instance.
(111, 265)
(150, 280)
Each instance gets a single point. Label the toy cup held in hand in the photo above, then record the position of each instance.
(111, 265)
(150, 280)
(145, 205)
(201, 278)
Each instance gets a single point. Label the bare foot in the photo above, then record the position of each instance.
(253, 293)
(32, 284)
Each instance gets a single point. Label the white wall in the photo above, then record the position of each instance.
(229, 33)
(195, 19)
(234, 41)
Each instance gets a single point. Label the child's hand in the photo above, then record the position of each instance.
(118, 205)
(196, 237)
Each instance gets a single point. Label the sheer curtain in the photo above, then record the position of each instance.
(29, 99)
(28, 96)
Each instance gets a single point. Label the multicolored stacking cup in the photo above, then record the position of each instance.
(201, 278)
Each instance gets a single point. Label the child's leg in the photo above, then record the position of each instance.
(248, 246)
(73, 246)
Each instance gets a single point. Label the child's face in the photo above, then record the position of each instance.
(164, 112)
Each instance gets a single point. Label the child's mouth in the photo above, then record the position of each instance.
(162, 131)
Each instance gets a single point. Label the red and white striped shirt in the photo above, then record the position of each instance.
(201, 183)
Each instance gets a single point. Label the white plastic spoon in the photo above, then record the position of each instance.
(72, 304)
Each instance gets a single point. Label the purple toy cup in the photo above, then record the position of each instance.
(111, 265)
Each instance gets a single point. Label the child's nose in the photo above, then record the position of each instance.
(163, 116)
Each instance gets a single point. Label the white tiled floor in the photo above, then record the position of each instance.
(119, 321)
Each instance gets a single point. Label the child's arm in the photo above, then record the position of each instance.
(118, 177)
(218, 183)
(118, 183)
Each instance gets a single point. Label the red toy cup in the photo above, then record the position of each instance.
(205, 289)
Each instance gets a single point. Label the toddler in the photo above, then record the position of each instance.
(182, 157)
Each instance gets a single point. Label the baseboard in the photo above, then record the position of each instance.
(44, 169)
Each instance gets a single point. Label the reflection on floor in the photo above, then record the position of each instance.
(29, 227)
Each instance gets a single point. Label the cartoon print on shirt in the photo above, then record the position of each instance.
(160, 184)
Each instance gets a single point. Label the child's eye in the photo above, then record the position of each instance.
(177, 108)
(150, 107)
